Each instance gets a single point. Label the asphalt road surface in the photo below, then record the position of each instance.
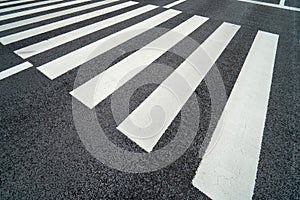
(149, 99)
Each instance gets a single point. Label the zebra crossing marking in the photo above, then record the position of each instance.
(72, 60)
(211, 178)
(27, 6)
(45, 45)
(14, 70)
(7, 2)
(173, 93)
(33, 11)
(97, 89)
(272, 5)
(228, 169)
(46, 16)
(55, 25)
(174, 3)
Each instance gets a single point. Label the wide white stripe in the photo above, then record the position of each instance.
(37, 48)
(174, 3)
(72, 60)
(7, 3)
(173, 93)
(27, 6)
(120, 73)
(271, 5)
(50, 15)
(16, 69)
(228, 169)
(44, 17)
(55, 25)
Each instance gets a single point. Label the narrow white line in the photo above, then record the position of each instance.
(123, 71)
(50, 15)
(173, 93)
(45, 45)
(228, 169)
(271, 5)
(13, 2)
(72, 60)
(27, 6)
(174, 3)
(55, 25)
(282, 2)
(13, 70)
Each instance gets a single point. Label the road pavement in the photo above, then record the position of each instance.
(149, 99)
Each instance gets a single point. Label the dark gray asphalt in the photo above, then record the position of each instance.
(42, 156)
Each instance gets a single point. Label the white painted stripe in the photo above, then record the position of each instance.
(27, 6)
(7, 3)
(45, 45)
(228, 169)
(282, 2)
(72, 60)
(55, 25)
(135, 63)
(50, 15)
(173, 93)
(174, 3)
(271, 5)
(13, 70)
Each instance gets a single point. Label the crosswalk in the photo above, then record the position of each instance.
(48, 27)
(193, 70)
(43, 17)
(229, 163)
(7, 3)
(45, 45)
(133, 63)
(28, 6)
(74, 59)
